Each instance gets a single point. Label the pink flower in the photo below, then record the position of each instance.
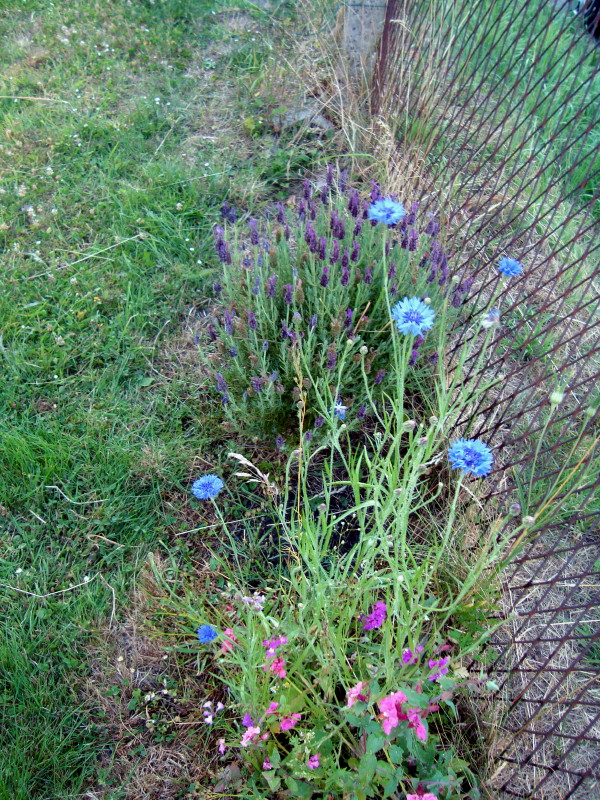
(377, 616)
(249, 735)
(272, 708)
(427, 796)
(391, 710)
(414, 721)
(222, 746)
(442, 669)
(229, 641)
(267, 764)
(408, 657)
(356, 694)
(289, 722)
(273, 644)
(276, 667)
(314, 761)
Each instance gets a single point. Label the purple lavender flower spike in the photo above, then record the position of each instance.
(354, 203)
(324, 194)
(380, 376)
(310, 237)
(232, 352)
(312, 211)
(308, 436)
(348, 320)
(279, 442)
(362, 412)
(253, 231)
(366, 206)
(343, 180)
(227, 321)
(271, 283)
(312, 323)
(306, 191)
(357, 228)
(331, 359)
(392, 271)
(288, 294)
(444, 274)
(280, 213)
(329, 178)
(221, 384)
(302, 210)
(355, 254)
(413, 240)
(285, 332)
(325, 276)
(432, 228)
(368, 275)
(225, 399)
(223, 252)
(411, 217)
(217, 288)
(375, 192)
(345, 279)
(335, 252)
(256, 287)
(433, 359)
(345, 258)
(286, 232)
(332, 220)
(319, 422)
(257, 383)
(225, 210)
(218, 233)
(461, 291)
(394, 289)
(252, 323)
(339, 230)
(414, 355)
(322, 251)
(212, 334)
(265, 345)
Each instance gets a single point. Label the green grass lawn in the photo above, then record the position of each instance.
(121, 136)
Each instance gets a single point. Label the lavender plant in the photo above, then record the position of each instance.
(303, 291)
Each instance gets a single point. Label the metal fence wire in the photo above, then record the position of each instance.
(498, 102)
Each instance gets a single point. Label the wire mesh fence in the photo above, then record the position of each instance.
(497, 102)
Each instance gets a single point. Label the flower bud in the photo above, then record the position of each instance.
(591, 411)
(398, 491)
(322, 508)
(364, 350)
(409, 425)
(422, 441)
(427, 300)
(515, 509)
(556, 397)
(528, 521)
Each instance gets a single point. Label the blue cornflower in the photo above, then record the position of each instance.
(413, 317)
(510, 267)
(339, 410)
(387, 211)
(207, 487)
(206, 633)
(471, 455)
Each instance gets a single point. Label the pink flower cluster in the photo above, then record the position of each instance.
(358, 693)
(392, 714)
(410, 657)
(275, 663)
(440, 668)
(376, 618)
(229, 642)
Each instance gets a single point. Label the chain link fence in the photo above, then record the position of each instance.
(494, 107)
